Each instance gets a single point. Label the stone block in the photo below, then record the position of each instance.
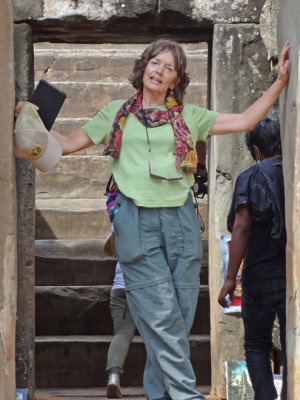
(24, 71)
(73, 310)
(239, 50)
(93, 10)
(181, 7)
(60, 262)
(197, 94)
(64, 271)
(73, 249)
(199, 11)
(73, 177)
(65, 126)
(28, 9)
(104, 65)
(71, 219)
(197, 68)
(201, 323)
(90, 98)
(268, 27)
(228, 12)
(84, 66)
(70, 362)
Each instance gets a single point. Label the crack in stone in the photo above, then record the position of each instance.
(50, 66)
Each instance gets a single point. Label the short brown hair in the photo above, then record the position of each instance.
(136, 77)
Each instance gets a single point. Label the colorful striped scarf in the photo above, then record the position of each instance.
(153, 117)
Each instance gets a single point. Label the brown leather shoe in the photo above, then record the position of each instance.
(113, 390)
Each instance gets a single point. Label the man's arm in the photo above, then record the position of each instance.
(201, 159)
(239, 243)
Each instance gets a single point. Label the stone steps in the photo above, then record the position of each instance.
(79, 361)
(73, 282)
(84, 310)
(74, 334)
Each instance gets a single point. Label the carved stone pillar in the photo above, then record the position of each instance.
(240, 72)
(25, 178)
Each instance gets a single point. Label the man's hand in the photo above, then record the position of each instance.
(202, 172)
(227, 288)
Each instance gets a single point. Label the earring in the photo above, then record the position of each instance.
(171, 92)
(257, 156)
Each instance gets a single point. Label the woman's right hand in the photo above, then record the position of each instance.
(76, 141)
(19, 107)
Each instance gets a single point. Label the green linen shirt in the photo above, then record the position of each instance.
(131, 170)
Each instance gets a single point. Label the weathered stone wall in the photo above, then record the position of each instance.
(8, 237)
(289, 29)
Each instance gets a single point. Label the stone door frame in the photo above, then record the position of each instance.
(25, 37)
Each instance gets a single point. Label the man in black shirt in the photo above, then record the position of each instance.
(257, 222)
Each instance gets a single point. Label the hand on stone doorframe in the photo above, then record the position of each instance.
(284, 65)
(19, 107)
(227, 288)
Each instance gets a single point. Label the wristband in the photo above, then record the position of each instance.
(201, 166)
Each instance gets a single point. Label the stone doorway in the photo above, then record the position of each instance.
(73, 277)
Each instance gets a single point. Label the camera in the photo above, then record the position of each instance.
(200, 186)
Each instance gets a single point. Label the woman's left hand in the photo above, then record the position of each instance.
(284, 64)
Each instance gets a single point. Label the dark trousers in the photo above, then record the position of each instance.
(261, 302)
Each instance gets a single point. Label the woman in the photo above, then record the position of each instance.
(150, 139)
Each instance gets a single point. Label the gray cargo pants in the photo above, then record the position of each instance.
(160, 251)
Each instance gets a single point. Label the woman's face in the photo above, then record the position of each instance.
(160, 73)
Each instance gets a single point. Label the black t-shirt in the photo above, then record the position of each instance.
(261, 189)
